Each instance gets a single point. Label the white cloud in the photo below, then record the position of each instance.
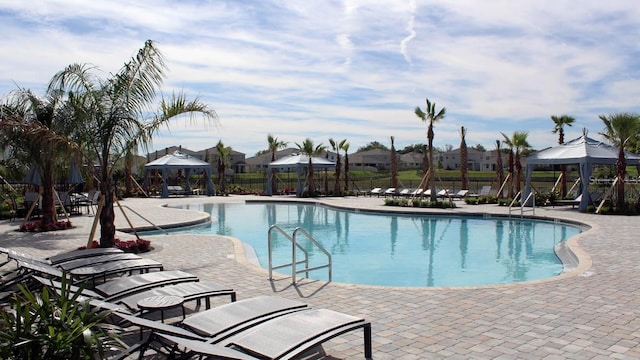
(350, 68)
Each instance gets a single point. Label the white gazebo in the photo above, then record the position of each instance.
(583, 151)
(300, 163)
(179, 160)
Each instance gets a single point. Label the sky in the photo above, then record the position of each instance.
(353, 70)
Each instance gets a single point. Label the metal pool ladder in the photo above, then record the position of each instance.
(294, 247)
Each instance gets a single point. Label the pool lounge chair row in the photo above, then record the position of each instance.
(262, 327)
(93, 266)
(407, 192)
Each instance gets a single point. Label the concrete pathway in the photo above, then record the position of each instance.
(590, 312)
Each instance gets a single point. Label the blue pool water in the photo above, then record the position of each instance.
(398, 250)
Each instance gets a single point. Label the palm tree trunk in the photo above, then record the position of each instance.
(432, 168)
(48, 205)
(107, 215)
(621, 172)
(346, 173)
(310, 178)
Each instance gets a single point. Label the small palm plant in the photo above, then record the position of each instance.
(54, 325)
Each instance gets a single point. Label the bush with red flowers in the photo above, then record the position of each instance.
(36, 226)
(130, 246)
(134, 246)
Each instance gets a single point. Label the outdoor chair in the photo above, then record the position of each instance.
(28, 265)
(265, 327)
(390, 192)
(461, 194)
(416, 192)
(375, 191)
(191, 289)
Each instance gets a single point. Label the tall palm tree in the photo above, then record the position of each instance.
(310, 149)
(336, 148)
(464, 159)
(274, 145)
(223, 159)
(432, 116)
(559, 123)
(521, 145)
(35, 130)
(508, 142)
(113, 115)
(499, 166)
(345, 147)
(394, 165)
(621, 129)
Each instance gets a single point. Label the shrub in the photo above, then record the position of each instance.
(36, 226)
(52, 325)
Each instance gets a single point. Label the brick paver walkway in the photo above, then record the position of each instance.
(589, 313)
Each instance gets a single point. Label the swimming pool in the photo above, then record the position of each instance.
(395, 249)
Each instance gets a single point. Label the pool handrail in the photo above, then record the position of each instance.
(294, 245)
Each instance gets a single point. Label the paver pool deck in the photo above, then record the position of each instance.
(590, 312)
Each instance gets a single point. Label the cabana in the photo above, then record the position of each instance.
(179, 160)
(583, 151)
(300, 163)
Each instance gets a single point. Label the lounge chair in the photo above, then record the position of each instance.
(404, 192)
(391, 192)
(104, 270)
(80, 254)
(28, 266)
(277, 332)
(88, 261)
(177, 190)
(461, 194)
(444, 193)
(416, 192)
(178, 283)
(375, 191)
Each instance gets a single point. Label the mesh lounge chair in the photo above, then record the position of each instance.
(189, 288)
(271, 335)
(84, 253)
(416, 192)
(88, 261)
(104, 270)
(375, 191)
(390, 192)
(89, 272)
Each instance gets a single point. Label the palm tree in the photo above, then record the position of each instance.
(464, 159)
(511, 147)
(345, 147)
(112, 115)
(394, 165)
(274, 145)
(308, 148)
(35, 130)
(621, 129)
(499, 166)
(432, 117)
(559, 123)
(521, 145)
(336, 147)
(223, 160)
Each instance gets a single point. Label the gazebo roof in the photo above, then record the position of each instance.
(582, 149)
(177, 160)
(301, 160)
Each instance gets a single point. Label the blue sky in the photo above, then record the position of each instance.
(349, 69)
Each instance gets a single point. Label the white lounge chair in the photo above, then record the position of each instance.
(375, 191)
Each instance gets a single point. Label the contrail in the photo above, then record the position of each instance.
(412, 32)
